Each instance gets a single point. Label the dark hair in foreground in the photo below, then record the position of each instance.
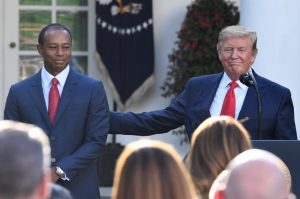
(59, 192)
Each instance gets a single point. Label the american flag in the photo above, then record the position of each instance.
(124, 36)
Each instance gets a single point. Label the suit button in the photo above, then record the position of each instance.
(53, 160)
(52, 138)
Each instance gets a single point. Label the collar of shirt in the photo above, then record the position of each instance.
(61, 77)
(224, 83)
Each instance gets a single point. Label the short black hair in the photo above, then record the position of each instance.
(59, 192)
(52, 26)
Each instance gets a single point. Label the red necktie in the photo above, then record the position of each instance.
(228, 107)
(53, 100)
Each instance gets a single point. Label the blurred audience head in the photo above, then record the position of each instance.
(254, 174)
(214, 144)
(151, 169)
(25, 161)
(59, 192)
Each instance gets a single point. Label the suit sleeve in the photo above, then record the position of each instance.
(154, 122)
(285, 125)
(11, 106)
(96, 129)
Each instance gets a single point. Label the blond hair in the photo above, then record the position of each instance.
(214, 144)
(237, 31)
(151, 169)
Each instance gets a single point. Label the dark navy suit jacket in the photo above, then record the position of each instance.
(79, 130)
(192, 106)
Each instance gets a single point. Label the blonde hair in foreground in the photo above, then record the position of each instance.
(214, 144)
(151, 169)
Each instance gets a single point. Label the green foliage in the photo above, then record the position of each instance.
(196, 52)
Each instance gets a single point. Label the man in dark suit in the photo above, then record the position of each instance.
(206, 96)
(70, 107)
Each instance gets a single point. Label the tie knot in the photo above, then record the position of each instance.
(233, 85)
(54, 81)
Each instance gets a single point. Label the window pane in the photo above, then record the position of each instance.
(72, 2)
(77, 23)
(29, 65)
(31, 22)
(79, 63)
(35, 2)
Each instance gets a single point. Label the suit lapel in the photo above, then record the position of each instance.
(209, 89)
(36, 92)
(212, 89)
(67, 94)
(249, 108)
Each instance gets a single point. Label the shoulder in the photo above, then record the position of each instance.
(204, 79)
(86, 85)
(32, 80)
(272, 90)
(83, 78)
(271, 85)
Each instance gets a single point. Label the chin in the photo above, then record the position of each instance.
(60, 67)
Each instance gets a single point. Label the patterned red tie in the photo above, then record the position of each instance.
(53, 100)
(228, 107)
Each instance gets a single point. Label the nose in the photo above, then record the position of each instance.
(234, 54)
(59, 51)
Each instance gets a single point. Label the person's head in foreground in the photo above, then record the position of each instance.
(151, 169)
(59, 192)
(254, 174)
(214, 144)
(25, 161)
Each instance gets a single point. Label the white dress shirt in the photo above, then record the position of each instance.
(240, 94)
(46, 82)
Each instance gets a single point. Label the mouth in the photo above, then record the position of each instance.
(59, 61)
(234, 63)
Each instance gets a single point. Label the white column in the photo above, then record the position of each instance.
(1, 59)
(278, 27)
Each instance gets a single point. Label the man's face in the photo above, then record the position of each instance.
(56, 50)
(236, 56)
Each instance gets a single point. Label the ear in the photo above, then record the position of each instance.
(219, 194)
(291, 196)
(39, 48)
(219, 55)
(254, 53)
(43, 190)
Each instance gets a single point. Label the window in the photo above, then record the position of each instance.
(35, 14)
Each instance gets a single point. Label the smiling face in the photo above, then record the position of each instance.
(56, 50)
(236, 56)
